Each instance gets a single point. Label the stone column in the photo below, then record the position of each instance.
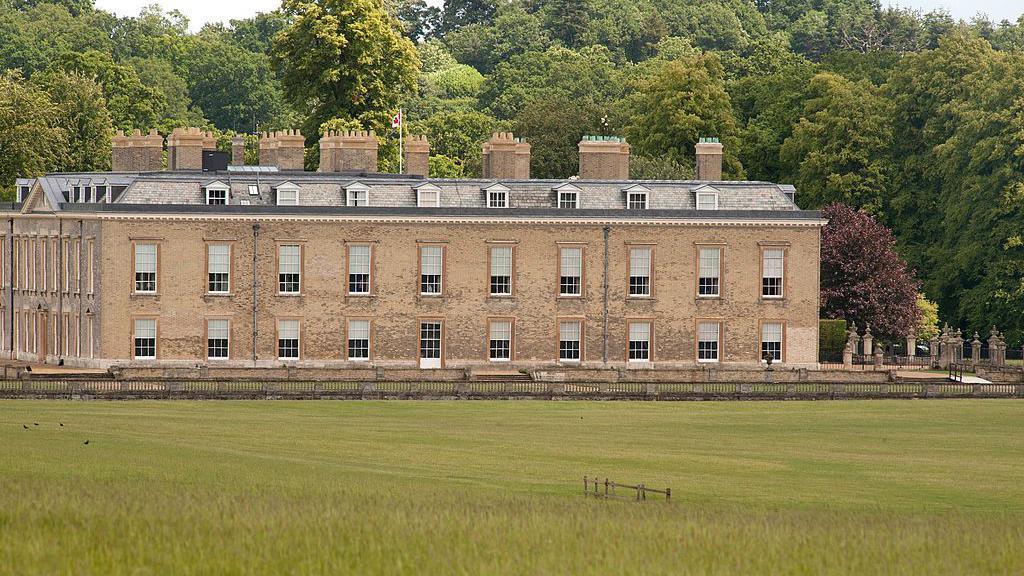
(911, 346)
(933, 351)
(878, 356)
(944, 348)
(848, 355)
(868, 341)
(976, 351)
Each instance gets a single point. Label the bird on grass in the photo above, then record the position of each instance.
(86, 442)
(35, 423)
(24, 426)
(61, 424)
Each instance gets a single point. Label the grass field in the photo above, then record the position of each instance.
(853, 487)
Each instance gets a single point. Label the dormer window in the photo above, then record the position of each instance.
(76, 194)
(496, 196)
(357, 195)
(216, 196)
(636, 200)
(428, 196)
(287, 194)
(568, 196)
(707, 201)
(87, 196)
(254, 190)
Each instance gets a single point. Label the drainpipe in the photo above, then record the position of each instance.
(10, 278)
(255, 285)
(604, 335)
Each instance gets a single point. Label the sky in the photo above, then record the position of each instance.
(200, 12)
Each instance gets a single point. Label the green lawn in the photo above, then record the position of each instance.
(322, 487)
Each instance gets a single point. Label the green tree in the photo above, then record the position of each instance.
(236, 88)
(678, 103)
(131, 103)
(343, 58)
(459, 135)
(27, 118)
(80, 112)
(587, 76)
(513, 32)
(839, 151)
(554, 127)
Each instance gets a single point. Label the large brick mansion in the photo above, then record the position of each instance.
(259, 266)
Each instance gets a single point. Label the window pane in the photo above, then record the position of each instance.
(773, 263)
(640, 341)
(145, 258)
(359, 259)
(640, 331)
(710, 267)
(217, 329)
(289, 262)
(430, 340)
(640, 262)
(706, 201)
(707, 341)
(145, 328)
(219, 258)
(501, 261)
(572, 261)
(569, 340)
(359, 329)
(430, 260)
(288, 329)
(501, 330)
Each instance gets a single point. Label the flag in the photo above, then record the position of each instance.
(396, 122)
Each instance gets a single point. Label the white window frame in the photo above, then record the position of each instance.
(643, 197)
(428, 254)
(703, 196)
(209, 195)
(507, 332)
(138, 270)
(357, 195)
(135, 337)
(210, 265)
(701, 272)
(369, 270)
(227, 338)
(423, 201)
(630, 340)
(562, 271)
(765, 258)
(562, 324)
(495, 266)
(254, 189)
(497, 198)
(350, 330)
(281, 249)
(298, 338)
(718, 341)
(288, 195)
(562, 194)
(643, 290)
(781, 339)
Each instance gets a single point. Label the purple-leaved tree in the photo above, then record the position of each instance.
(863, 279)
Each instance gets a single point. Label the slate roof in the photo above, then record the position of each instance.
(388, 191)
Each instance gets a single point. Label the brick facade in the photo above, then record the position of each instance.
(395, 305)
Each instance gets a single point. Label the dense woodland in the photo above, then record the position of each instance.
(916, 119)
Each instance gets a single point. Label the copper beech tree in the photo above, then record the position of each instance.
(863, 279)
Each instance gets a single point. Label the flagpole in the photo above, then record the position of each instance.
(401, 128)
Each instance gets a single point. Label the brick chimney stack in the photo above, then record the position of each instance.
(709, 159)
(604, 158)
(348, 151)
(209, 142)
(284, 149)
(185, 149)
(238, 150)
(137, 153)
(416, 156)
(506, 157)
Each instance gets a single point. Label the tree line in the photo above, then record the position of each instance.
(913, 118)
